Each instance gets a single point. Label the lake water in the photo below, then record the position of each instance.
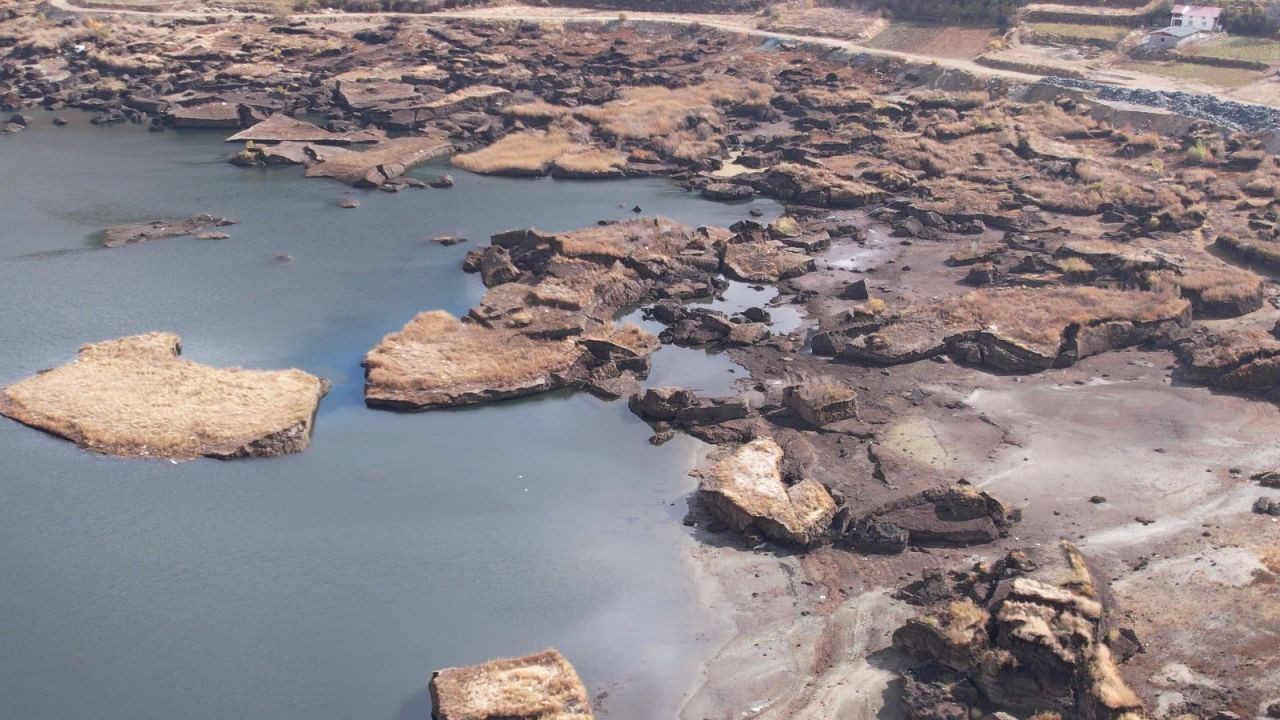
(327, 584)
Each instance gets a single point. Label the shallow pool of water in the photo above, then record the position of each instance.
(327, 584)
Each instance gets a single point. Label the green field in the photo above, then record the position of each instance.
(1109, 33)
(1238, 48)
(1226, 78)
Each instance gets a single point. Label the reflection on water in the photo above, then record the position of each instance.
(327, 584)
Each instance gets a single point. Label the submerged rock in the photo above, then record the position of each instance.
(746, 491)
(282, 128)
(382, 162)
(136, 397)
(160, 229)
(541, 686)
(682, 408)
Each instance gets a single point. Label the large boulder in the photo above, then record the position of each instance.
(768, 261)
(956, 516)
(745, 489)
(541, 686)
(683, 408)
(822, 401)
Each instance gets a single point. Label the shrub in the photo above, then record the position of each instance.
(1198, 153)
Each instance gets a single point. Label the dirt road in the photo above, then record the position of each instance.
(743, 24)
(740, 24)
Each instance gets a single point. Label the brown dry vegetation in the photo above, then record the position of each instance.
(435, 353)
(136, 397)
(654, 111)
(536, 111)
(525, 153)
(1038, 317)
(543, 686)
(590, 162)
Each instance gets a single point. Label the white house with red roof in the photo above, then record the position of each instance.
(1205, 18)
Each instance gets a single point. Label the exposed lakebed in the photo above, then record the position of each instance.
(330, 583)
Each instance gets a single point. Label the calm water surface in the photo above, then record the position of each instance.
(327, 584)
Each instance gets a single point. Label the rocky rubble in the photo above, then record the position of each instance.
(546, 321)
(1197, 105)
(1028, 634)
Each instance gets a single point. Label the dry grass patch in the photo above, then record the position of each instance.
(536, 111)
(1216, 291)
(1106, 33)
(803, 18)
(963, 621)
(542, 686)
(1037, 317)
(1257, 249)
(1223, 77)
(589, 163)
(437, 360)
(523, 153)
(642, 238)
(1256, 49)
(642, 113)
(136, 397)
(936, 40)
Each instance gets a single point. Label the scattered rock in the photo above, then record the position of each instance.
(856, 290)
(1267, 506)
